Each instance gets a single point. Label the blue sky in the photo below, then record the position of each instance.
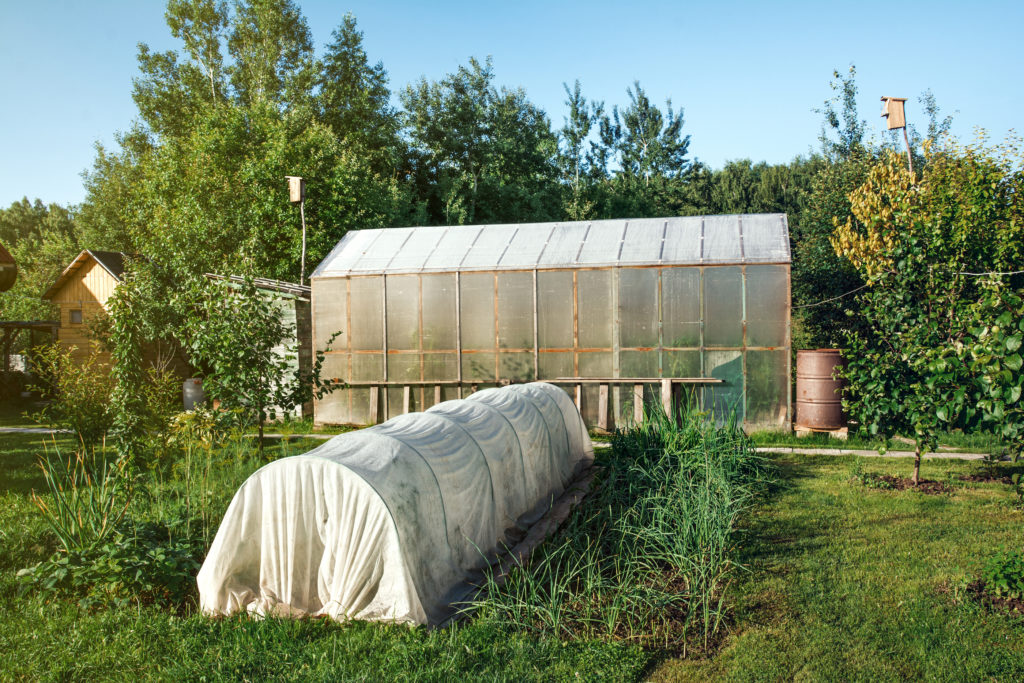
(747, 74)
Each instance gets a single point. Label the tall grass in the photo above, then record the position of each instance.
(650, 554)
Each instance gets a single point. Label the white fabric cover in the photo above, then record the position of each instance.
(389, 522)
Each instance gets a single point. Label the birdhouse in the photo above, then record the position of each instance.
(296, 189)
(892, 112)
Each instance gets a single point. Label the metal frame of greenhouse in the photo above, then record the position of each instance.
(617, 312)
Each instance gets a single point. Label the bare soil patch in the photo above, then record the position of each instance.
(985, 479)
(928, 486)
(976, 589)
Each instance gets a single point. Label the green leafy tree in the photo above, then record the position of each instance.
(941, 317)
(42, 239)
(236, 334)
(480, 154)
(581, 161)
(648, 152)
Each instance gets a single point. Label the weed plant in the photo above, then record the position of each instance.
(649, 556)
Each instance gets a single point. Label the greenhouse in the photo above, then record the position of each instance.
(618, 313)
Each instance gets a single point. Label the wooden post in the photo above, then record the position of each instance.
(374, 404)
(437, 394)
(638, 403)
(602, 408)
(666, 396)
(579, 398)
(406, 399)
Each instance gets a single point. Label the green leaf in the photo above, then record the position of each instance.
(1013, 342)
(1014, 362)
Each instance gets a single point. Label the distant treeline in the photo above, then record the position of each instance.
(197, 183)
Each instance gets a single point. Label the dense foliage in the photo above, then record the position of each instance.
(942, 319)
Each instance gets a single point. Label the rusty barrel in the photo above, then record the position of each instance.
(818, 392)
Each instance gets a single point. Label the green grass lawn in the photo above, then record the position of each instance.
(52, 638)
(949, 441)
(853, 583)
(844, 583)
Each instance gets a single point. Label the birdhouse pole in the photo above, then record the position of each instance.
(297, 195)
(895, 117)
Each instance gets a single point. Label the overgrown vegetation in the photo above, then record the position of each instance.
(650, 555)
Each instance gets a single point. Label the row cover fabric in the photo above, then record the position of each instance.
(390, 522)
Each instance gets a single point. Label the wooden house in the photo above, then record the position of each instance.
(81, 293)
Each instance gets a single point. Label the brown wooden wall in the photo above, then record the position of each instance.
(87, 291)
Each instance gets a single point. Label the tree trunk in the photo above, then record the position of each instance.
(260, 447)
(917, 463)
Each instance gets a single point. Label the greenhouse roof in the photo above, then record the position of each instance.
(691, 240)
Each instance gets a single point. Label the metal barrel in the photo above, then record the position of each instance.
(818, 393)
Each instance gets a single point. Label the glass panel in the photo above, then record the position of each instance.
(438, 311)
(331, 312)
(490, 244)
(642, 243)
(555, 365)
(595, 364)
(765, 238)
(638, 307)
(346, 252)
(367, 323)
(767, 383)
(516, 366)
(722, 238)
(564, 244)
(477, 314)
(440, 366)
(403, 367)
(367, 367)
(396, 400)
(515, 310)
(595, 294)
(359, 406)
(680, 305)
(334, 408)
(723, 306)
(604, 239)
(478, 366)
(416, 249)
(766, 305)
(638, 364)
(554, 309)
(335, 367)
(379, 254)
(525, 248)
(727, 398)
(403, 310)
(682, 364)
(682, 241)
(452, 248)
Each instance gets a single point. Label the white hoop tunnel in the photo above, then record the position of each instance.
(388, 523)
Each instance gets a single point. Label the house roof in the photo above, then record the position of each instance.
(291, 288)
(110, 261)
(690, 240)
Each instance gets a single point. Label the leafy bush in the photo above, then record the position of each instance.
(649, 555)
(1003, 574)
(146, 565)
(79, 392)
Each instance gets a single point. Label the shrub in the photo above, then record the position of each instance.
(1003, 574)
(79, 393)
